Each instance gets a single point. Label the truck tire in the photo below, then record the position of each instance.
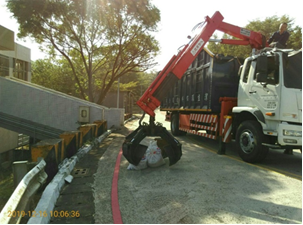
(174, 125)
(249, 140)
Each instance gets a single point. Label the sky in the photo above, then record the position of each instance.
(178, 17)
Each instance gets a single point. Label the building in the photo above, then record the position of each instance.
(15, 61)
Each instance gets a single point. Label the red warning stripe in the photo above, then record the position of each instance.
(115, 200)
(199, 133)
(204, 118)
(226, 130)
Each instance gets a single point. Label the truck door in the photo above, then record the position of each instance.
(244, 85)
(265, 95)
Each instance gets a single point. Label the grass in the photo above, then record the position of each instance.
(6, 187)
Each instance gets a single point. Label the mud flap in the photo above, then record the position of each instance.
(133, 151)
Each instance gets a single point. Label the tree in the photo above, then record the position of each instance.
(137, 83)
(267, 28)
(101, 40)
(56, 77)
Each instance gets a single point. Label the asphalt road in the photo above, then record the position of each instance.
(202, 187)
(276, 160)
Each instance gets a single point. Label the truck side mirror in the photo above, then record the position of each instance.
(261, 77)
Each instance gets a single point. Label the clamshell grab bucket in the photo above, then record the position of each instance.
(133, 151)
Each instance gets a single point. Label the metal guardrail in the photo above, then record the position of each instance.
(51, 193)
(15, 208)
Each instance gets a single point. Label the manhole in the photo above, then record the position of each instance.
(80, 172)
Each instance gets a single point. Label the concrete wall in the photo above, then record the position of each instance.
(21, 52)
(6, 39)
(48, 107)
(116, 116)
(8, 140)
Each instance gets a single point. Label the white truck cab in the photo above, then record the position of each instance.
(270, 98)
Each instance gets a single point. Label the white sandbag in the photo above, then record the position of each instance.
(153, 155)
(142, 164)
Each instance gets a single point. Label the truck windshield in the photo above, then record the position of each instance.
(293, 71)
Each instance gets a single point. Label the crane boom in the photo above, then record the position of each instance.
(177, 66)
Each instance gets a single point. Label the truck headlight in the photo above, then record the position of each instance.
(293, 133)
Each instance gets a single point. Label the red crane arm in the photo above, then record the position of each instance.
(254, 39)
(177, 66)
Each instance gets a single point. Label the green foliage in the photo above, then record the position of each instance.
(267, 28)
(137, 83)
(6, 186)
(99, 40)
(57, 77)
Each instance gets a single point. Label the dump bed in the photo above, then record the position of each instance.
(207, 79)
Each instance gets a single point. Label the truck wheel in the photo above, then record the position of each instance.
(249, 140)
(174, 125)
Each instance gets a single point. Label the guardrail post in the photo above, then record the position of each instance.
(101, 127)
(52, 151)
(88, 131)
(70, 143)
(19, 171)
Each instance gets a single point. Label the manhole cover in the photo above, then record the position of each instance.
(80, 172)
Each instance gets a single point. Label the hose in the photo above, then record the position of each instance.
(142, 117)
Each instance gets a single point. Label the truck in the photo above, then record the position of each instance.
(257, 104)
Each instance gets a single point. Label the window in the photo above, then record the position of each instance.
(4, 66)
(246, 72)
(293, 71)
(272, 72)
(20, 69)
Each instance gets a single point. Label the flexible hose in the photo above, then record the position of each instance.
(142, 117)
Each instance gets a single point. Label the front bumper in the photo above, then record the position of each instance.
(286, 140)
